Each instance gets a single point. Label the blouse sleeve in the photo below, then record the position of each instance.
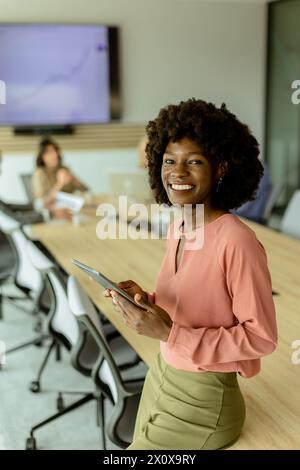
(40, 184)
(78, 185)
(244, 265)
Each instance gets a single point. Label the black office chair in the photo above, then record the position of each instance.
(87, 357)
(24, 276)
(25, 214)
(110, 381)
(7, 265)
(60, 325)
(27, 184)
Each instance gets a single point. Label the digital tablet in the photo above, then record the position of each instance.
(104, 281)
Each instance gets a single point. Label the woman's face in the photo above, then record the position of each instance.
(188, 177)
(51, 157)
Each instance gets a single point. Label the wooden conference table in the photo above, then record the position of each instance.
(273, 396)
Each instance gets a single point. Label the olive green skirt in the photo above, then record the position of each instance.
(188, 410)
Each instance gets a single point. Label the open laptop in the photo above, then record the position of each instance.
(133, 184)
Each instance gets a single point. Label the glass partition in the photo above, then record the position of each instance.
(282, 110)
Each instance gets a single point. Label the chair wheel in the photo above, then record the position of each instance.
(39, 344)
(35, 386)
(31, 443)
(60, 403)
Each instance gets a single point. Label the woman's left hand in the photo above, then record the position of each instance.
(154, 321)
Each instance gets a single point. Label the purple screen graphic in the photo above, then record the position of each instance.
(54, 74)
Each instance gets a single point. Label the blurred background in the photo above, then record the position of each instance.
(79, 80)
(159, 52)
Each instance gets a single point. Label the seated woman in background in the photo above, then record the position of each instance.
(51, 176)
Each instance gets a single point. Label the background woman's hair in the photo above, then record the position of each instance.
(221, 137)
(42, 148)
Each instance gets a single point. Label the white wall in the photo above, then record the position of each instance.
(173, 49)
(90, 166)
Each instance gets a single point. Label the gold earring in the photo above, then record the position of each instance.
(219, 184)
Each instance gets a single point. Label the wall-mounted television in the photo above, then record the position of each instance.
(59, 74)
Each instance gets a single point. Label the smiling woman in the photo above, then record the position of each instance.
(219, 137)
(212, 309)
(189, 177)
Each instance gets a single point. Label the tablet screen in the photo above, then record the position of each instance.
(104, 281)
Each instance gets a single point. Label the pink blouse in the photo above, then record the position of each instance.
(220, 300)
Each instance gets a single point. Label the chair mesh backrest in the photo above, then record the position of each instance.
(290, 223)
(8, 224)
(27, 275)
(107, 377)
(7, 257)
(8, 252)
(27, 184)
(81, 305)
(41, 262)
(63, 321)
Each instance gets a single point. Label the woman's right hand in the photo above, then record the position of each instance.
(130, 287)
(61, 213)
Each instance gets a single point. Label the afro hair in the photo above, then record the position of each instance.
(221, 137)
